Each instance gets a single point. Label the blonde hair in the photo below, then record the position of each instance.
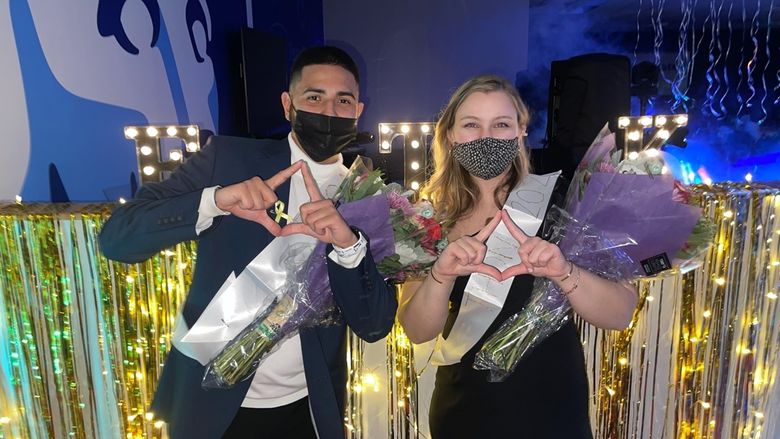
(451, 187)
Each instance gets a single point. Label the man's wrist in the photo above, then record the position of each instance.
(349, 249)
(211, 206)
(353, 241)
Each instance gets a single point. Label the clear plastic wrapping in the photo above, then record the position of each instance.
(548, 308)
(623, 219)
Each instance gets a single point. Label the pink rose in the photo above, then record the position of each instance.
(680, 193)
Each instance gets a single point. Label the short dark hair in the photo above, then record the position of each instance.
(328, 55)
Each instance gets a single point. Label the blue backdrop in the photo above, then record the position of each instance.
(73, 74)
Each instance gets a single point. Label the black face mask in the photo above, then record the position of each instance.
(321, 136)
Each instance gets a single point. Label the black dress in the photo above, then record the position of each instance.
(545, 397)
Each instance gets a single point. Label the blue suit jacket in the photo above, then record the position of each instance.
(163, 214)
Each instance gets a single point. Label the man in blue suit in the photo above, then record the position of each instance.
(220, 197)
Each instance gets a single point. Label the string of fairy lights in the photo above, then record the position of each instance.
(83, 338)
(699, 359)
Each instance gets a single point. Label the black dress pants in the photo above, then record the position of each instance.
(292, 421)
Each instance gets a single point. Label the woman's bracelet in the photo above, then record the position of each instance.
(434, 276)
(576, 283)
(571, 269)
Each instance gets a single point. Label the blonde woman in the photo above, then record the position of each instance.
(479, 158)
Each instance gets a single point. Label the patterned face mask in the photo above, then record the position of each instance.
(487, 157)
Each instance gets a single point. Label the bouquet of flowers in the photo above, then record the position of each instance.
(404, 238)
(623, 219)
(417, 236)
(603, 160)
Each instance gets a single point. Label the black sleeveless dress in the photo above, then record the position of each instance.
(545, 397)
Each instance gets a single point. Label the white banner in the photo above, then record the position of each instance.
(241, 299)
(484, 296)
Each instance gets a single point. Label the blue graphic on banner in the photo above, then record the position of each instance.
(72, 132)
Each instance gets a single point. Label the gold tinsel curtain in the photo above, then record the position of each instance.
(82, 339)
(700, 358)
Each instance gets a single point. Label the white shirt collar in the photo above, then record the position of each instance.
(318, 170)
(327, 176)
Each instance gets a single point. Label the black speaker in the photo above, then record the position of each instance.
(264, 73)
(586, 92)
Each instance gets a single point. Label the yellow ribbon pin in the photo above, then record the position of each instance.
(279, 212)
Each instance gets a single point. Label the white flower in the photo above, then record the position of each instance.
(631, 167)
(642, 165)
(408, 255)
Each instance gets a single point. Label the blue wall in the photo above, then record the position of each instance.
(413, 54)
(73, 74)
